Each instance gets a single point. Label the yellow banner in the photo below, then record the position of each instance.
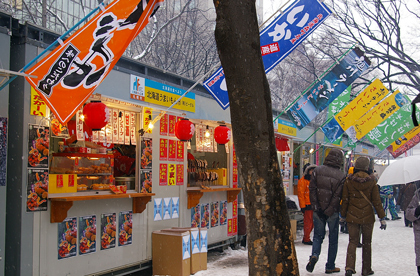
(156, 96)
(379, 113)
(403, 139)
(286, 127)
(369, 97)
(62, 183)
(38, 106)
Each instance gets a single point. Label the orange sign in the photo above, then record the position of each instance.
(70, 73)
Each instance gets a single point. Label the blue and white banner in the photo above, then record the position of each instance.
(277, 40)
(322, 93)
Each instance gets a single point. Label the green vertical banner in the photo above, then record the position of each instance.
(335, 107)
(391, 129)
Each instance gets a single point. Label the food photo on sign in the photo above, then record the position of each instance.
(39, 143)
(67, 238)
(37, 190)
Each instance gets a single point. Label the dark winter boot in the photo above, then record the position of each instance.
(311, 264)
(418, 270)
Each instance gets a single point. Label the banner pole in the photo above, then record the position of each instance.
(314, 82)
(58, 40)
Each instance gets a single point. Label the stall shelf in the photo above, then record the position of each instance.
(194, 194)
(60, 204)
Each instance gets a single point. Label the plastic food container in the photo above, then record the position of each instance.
(129, 182)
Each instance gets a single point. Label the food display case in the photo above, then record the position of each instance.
(94, 171)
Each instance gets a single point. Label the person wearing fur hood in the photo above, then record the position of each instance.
(305, 203)
(360, 198)
(413, 215)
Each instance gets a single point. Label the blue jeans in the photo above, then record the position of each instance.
(319, 234)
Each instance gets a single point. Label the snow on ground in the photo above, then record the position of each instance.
(392, 254)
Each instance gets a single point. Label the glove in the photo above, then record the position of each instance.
(389, 196)
(383, 224)
(417, 211)
(321, 214)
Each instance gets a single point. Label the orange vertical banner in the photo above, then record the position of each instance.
(69, 74)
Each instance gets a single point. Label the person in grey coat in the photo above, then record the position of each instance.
(413, 214)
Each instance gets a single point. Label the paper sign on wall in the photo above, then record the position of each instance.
(167, 208)
(163, 174)
(157, 209)
(175, 207)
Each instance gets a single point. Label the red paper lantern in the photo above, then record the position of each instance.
(96, 115)
(184, 129)
(222, 134)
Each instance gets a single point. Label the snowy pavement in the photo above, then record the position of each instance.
(392, 254)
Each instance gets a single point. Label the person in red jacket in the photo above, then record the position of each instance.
(305, 203)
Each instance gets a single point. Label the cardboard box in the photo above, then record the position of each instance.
(195, 246)
(293, 224)
(203, 248)
(171, 253)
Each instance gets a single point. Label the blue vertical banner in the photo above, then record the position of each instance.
(277, 40)
(328, 88)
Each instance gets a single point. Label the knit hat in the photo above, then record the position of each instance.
(362, 164)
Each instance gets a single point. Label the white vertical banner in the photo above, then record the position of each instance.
(102, 135)
(108, 127)
(199, 138)
(79, 126)
(214, 141)
(115, 126)
(127, 128)
(133, 128)
(121, 128)
(95, 136)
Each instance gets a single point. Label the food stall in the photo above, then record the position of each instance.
(80, 194)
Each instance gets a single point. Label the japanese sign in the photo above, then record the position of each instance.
(167, 202)
(171, 125)
(277, 40)
(67, 238)
(214, 208)
(133, 128)
(286, 127)
(366, 100)
(195, 216)
(38, 106)
(115, 118)
(175, 207)
(332, 130)
(179, 174)
(390, 129)
(398, 146)
(162, 94)
(125, 235)
(37, 190)
(223, 212)
(87, 234)
(163, 174)
(147, 118)
(70, 73)
(172, 150)
(179, 151)
(146, 181)
(171, 174)
(164, 125)
(108, 230)
(3, 150)
(157, 209)
(379, 113)
(205, 216)
(163, 150)
(127, 125)
(320, 95)
(406, 146)
(38, 146)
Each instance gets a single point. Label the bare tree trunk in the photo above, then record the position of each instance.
(271, 247)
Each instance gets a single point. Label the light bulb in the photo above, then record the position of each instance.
(82, 117)
(311, 150)
(150, 126)
(207, 133)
